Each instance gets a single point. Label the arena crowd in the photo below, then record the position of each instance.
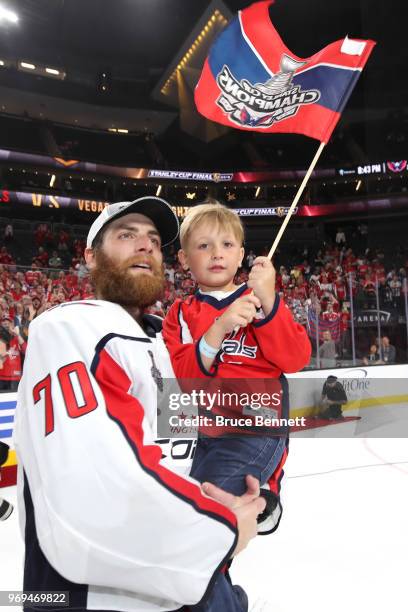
(314, 284)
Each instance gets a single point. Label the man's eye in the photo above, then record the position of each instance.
(125, 235)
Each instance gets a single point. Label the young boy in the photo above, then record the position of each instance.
(233, 332)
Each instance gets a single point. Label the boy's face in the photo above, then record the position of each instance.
(213, 255)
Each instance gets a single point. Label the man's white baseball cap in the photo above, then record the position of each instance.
(156, 209)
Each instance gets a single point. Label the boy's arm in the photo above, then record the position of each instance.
(282, 341)
(185, 356)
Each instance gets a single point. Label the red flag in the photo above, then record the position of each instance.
(252, 81)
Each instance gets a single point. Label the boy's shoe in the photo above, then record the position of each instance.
(241, 596)
(5, 509)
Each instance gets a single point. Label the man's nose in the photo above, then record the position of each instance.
(144, 244)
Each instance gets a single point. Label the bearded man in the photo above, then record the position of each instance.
(105, 522)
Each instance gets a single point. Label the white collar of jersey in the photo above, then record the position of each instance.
(220, 295)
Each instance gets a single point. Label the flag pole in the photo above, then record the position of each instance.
(296, 200)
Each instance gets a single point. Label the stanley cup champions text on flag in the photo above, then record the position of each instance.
(252, 81)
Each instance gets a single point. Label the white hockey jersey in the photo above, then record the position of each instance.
(104, 518)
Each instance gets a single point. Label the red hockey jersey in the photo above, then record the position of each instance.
(266, 348)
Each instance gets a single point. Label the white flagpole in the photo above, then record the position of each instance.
(296, 200)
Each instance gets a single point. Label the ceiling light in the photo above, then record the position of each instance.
(52, 71)
(27, 66)
(358, 185)
(158, 190)
(1, 62)
(257, 192)
(52, 180)
(6, 15)
(123, 131)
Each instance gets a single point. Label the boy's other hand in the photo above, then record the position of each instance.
(261, 280)
(239, 314)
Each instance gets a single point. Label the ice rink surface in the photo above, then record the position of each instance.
(342, 545)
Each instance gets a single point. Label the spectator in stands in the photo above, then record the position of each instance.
(325, 286)
(387, 350)
(340, 237)
(328, 351)
(8, 233)
(11, 360)
(17, 291)
(5, 257)
(81, 269)
(18, 315)
(63, 240)
(49, 238)
(372, 358)
(37, 306)
(329, 314)
(368, 285)
(41, 258)
(55, 260)
(395, 288)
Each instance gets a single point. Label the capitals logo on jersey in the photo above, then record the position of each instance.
(236, 346)
(250, 104)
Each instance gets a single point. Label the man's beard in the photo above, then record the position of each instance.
(116, 282)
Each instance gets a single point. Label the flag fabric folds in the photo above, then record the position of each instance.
(252, 81)
(318, 325)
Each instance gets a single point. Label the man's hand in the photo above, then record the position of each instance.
(261, 280)
(246, 508)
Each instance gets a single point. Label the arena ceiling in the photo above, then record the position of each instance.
(137, 42)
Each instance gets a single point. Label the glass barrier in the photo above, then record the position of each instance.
(368, 327)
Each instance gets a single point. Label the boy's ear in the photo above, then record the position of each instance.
(242, 253)
(182, 257)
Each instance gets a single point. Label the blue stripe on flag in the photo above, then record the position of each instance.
(7, 405)
(7, 419)
(330, 81)
(6, 433)
(232, 49)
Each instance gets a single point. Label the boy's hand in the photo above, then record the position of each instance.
(239, 314)
(261, 280)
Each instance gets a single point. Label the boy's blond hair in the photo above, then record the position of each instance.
(212, 212)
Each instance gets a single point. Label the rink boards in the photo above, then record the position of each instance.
(366, 387)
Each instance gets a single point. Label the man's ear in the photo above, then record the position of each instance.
(182, 257)
(89, 255)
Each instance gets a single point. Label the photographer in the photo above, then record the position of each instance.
(333, 397)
